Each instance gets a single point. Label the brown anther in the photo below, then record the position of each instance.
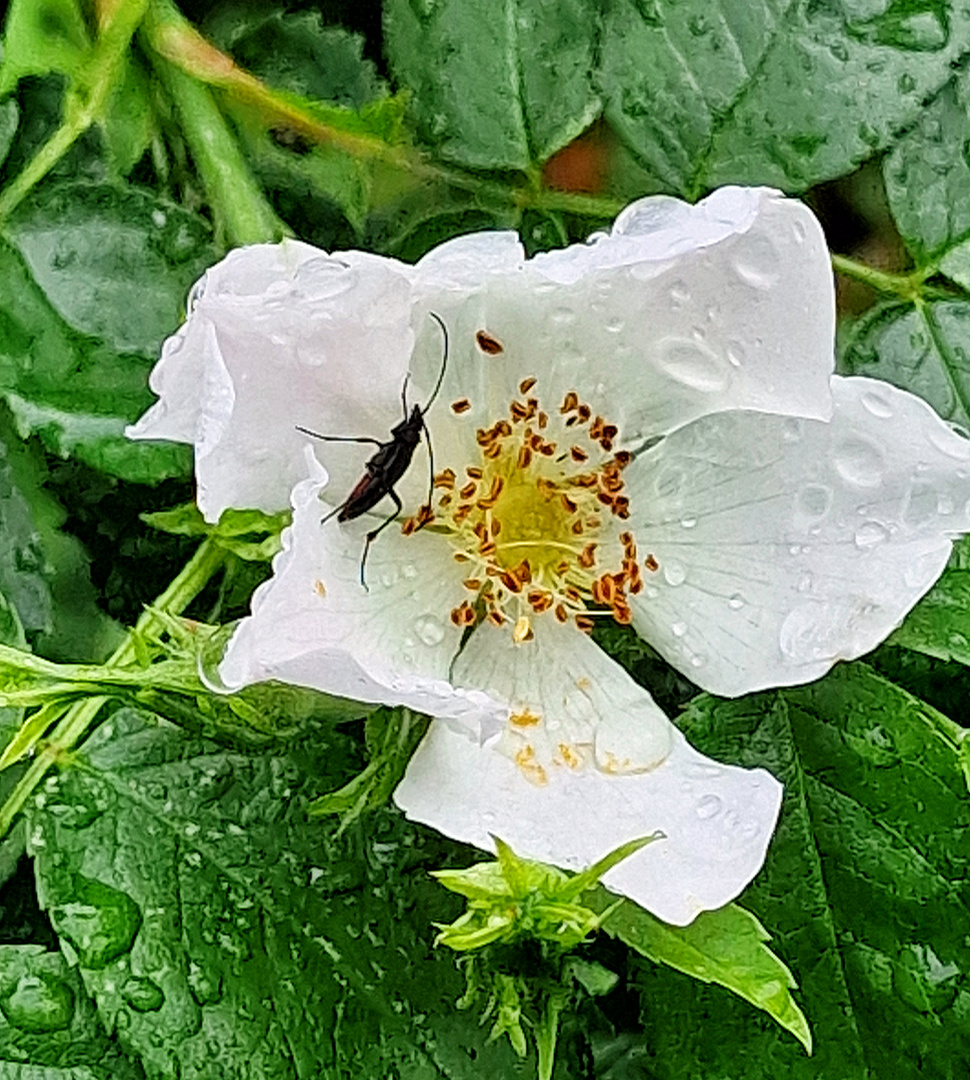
(587, 556)
(536, 441)
(543, 419)
(572, 593)
(561, 614)
(496, 618)
(569, 402)
(584, 413)
(568, 505)
(510, 581)
(473, 584)
(461, 405)
(462, 512)
(518, 412)
(445, 479)
(495, 527)
(526, 385)
(605, 498)
(425, 516)
(540, 600)
(468, 490)
(487, 549)
(525, 457)
(577, 528)
(548, 449)
(621, 507)
(607, 589)
(572, 420)
(408, 526)
(480, 530)
(651, 564)
(491, 499)
(585, 623)
(622, 614)
(489, 344)
(562, 566)
(596, 428)
(578, 453)
(473, 472)
(523, 572)
(492, 451)
(460, 557)
(503, 428)
(622, 458)
(445, 499)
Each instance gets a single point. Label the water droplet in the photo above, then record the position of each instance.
(562, 316)
(678, 629)
(813, 501)
(792, 429)
(429, 630)
(693, 364)
(698, 660)
(615, 324)
(948, 440)
(680, 292)
(100, 922)
(870, 534)
(921, 504)
(757, 264)
(731, 819)
(205, 986)
(674, 572)
(410, 571)
(736, 602)
(142, 994)
(799, 232)
(805, 582)
(39, 1002)
(389, 577)
(688, 522)
(860, 462)
(735, 353)
(877, 405)
(708, 806)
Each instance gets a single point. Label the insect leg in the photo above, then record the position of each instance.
(427, 439)
(372, 536)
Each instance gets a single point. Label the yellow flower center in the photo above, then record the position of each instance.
(534, 518)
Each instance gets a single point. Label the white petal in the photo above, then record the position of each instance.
(717, 819)
(281, 336)
(785, 545)
(313, 623)
(681, 311)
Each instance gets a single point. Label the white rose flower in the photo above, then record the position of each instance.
(645, 427)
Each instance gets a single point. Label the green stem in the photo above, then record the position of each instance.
(234, 193)
(79, 717)
(907, 286)
(546, 1033)
(84, 103)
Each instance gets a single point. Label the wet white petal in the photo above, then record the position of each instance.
(281, 336)
(313, 623)
(717, 819)
(785, 545)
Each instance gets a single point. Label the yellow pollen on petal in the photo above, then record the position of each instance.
(569, 757)
(530, 768)
(319, 588)
(539, 518)
(525, 718)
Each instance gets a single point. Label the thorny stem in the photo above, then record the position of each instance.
(78, 717)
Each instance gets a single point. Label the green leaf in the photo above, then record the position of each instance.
(927, 179)
(295, 51)
(788, 92)
(9, 119)
(128, 123)
(939, 625)
(222, 934)
(40, 37)
(864, 890)
(923, 348)
(43, 571)
(114, 262)
(726, 947)
(73, 391)
(496, 87)
(48, 1026)
(250, 534)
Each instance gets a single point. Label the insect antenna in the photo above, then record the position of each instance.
(444, 363)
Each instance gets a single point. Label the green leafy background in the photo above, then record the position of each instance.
(183, 903)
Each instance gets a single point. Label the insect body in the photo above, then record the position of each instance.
(389, 462)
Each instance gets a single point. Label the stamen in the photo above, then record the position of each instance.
(461, 405)
(489, 344)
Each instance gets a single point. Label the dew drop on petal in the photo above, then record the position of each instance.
(693, 365)
(870, 534)
(429, 630)
(735, 353)
(860, 462)
(758, 265)
(674, 572)
(708, 806)
(410, 571)
(678, 629)
(736, 602)
(877, 405)
(792, 429)
(814, 500)
(389, 577)
(698, 660)
(799, 231)
(680, 292)
(688, 522)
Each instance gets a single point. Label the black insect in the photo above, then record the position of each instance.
(390, 462)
